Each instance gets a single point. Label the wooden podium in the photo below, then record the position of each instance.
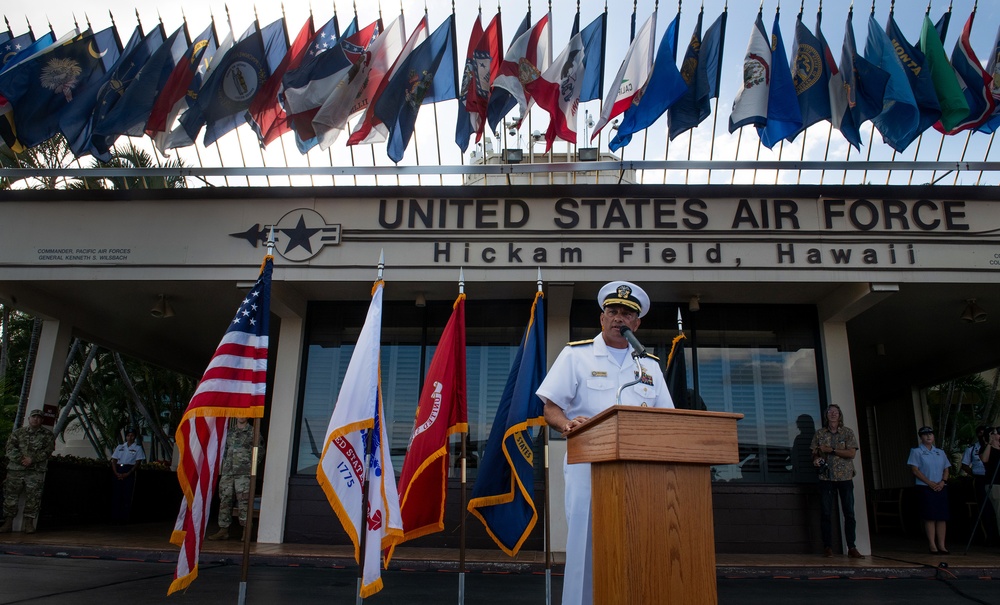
(651, 502)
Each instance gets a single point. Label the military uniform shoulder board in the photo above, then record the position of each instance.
(651, 356)
(580, 342)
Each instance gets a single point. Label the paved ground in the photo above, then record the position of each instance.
(85, 581)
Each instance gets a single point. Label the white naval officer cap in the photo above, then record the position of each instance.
(624, 293)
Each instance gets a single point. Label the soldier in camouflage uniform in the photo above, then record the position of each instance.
(234, 476)
(28, 451)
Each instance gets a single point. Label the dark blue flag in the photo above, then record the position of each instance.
(700, 69)
(130, 114)
(918, 72)
(503, 497)
(12, 47)
(77, 122)
(501, 101)
(675, 375)
(664, 87)
(594, 41)
(427, 75)
(810, 76)
(35, 47)
(783, 115)
(42, 87)
(899, 117)
(858, 90)
(230, 89)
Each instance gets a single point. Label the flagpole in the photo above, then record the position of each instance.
(462, 461)
(826, 154)
(366, 485)
(920, 139)
(985, 156)
(802, 155)
(711, 145)
(548, 519)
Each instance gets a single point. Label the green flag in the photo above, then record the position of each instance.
(954, 108)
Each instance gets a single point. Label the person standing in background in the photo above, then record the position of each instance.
(931, 467)
(834, 447)
(28, 452)
(124, 462)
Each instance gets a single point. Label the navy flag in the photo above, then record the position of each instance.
(503, 497)
(700, 69)
(427, 75)
(676, 373)
(857, 91)
(810, 76)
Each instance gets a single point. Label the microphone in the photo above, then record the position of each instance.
(637, 349)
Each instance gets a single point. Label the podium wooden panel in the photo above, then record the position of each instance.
(651, 501)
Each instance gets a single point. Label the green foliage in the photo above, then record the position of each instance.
(958, 407)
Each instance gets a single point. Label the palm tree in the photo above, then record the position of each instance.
(130, 156)
(54, 153)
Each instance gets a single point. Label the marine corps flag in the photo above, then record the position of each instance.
(233, 386)
(503, 497)
(442, 411)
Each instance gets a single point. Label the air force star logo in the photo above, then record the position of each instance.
(298, 236)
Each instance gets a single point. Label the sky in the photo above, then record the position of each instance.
(653, 145)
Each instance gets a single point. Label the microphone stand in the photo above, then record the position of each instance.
(636, 354)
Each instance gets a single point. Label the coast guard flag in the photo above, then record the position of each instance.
(976, 82)
(856, 91)
(427, 75)
(701, 70)
(632, 74)
(664, 87)
(357, 428)
(899, 117)
(783, 115)
(503, 497)
(233, 386)
(750, 105)
(557, 91)
(442, 411)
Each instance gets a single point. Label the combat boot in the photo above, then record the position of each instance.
(7, 526)
(222, 534)
(28, 526)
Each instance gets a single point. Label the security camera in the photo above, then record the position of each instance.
(512, 131)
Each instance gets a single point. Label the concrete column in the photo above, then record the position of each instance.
(282, 428)
(840, 384)
(50, 365)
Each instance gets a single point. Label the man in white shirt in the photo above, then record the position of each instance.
(124, 462)
(582, 382)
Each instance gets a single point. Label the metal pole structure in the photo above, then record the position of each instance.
(915, 154)
(366, 486)
(985, 156)
(739, 138)
(871, 139)
(711, 145)
(962, 159)
(462, 465)
(826, 154)
(938, 158)
(248, 526)
(548, 518)
(802, 156)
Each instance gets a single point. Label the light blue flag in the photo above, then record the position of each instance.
(664, 87)
(784, 118)
(900, 116)
(38, 45)
(427, 75)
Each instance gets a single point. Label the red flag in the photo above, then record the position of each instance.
(268, 115)
(441, 412)
(233, 386)
(482, 67)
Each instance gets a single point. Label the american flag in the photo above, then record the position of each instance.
(233, 386)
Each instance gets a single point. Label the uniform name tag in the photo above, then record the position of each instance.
(600, 374)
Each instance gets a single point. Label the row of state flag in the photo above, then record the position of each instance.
(92, 89)
(355, 470)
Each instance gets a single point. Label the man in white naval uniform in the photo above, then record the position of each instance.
(583, 381)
